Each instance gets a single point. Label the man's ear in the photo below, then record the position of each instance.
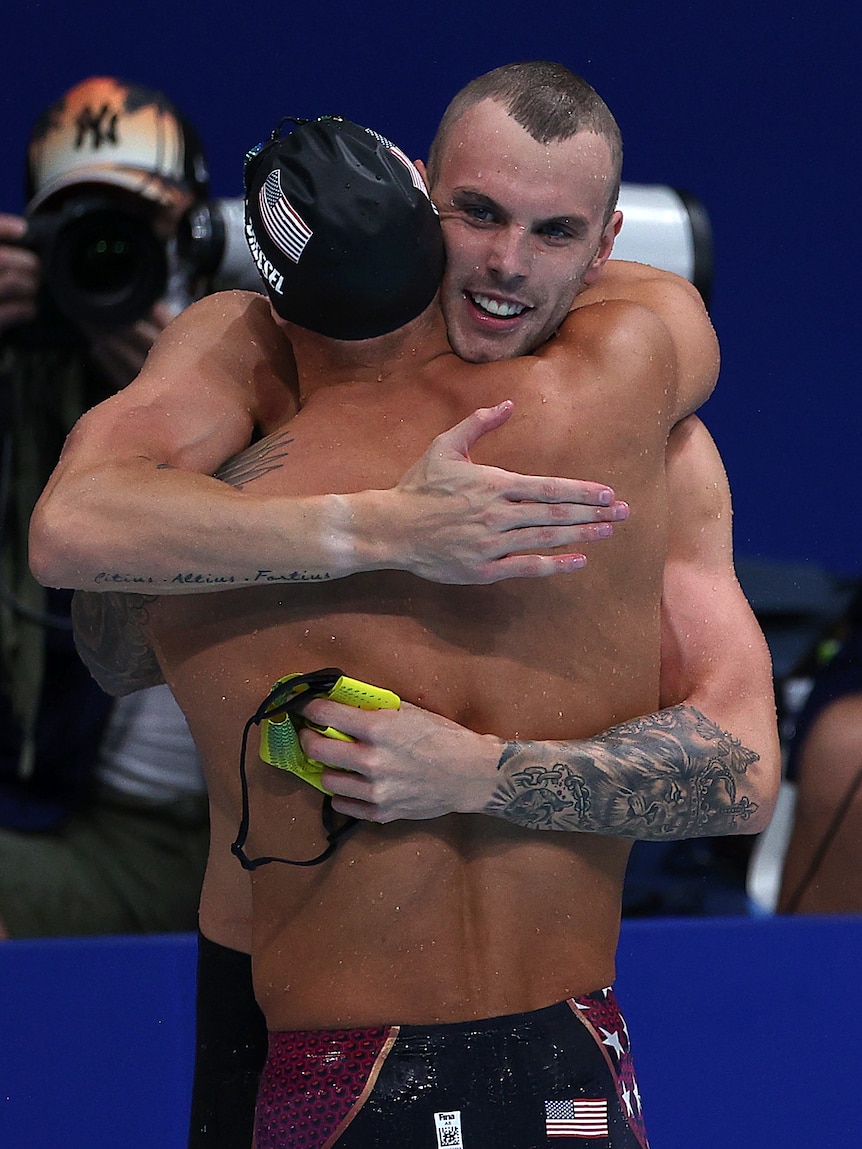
(423, 172)
(606, 246)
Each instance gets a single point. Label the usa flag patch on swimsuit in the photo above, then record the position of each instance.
(582, 1118)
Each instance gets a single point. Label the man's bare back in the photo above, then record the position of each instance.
(454, 918)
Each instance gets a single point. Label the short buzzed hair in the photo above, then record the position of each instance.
(548, 100)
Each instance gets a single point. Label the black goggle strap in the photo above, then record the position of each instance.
(285, 696)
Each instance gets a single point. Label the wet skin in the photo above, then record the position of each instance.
(525, 231)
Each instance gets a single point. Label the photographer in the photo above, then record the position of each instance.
(103, 823)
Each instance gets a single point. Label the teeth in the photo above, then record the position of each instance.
(498, 307)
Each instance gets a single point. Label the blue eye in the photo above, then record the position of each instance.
(556, 231)
(480, 213)
(476, 209)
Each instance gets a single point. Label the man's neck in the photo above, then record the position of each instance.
(322, 362)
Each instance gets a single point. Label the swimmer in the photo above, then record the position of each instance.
(446, 922)
(131, 463)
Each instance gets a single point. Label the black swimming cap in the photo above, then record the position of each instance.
(342, 230)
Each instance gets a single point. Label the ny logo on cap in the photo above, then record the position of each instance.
(100, 126)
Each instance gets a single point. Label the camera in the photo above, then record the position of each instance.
(668, 228)
(105, 265)
(211, 239)
(101, 264)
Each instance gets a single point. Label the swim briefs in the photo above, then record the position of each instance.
(230, 1050)
(527, 1081)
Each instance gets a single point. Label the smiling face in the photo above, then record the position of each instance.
(525, 229)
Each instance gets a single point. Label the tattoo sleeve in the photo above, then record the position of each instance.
(110, 638)
(668, 776)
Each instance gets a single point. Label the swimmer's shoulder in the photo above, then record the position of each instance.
(622, 352)
(227, 348)
(607, 330)
(680, 307)
(225, 310)
(639, 283)
(231, 330)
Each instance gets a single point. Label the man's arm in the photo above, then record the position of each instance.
(707, 764)
(132, 503)
(111, 638)
(679, 304)
(675, 774)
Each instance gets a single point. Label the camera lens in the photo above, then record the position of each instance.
(106, 267)
(104, 261)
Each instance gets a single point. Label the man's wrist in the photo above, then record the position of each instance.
(368, 533)
(482, 762)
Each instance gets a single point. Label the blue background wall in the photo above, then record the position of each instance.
(743, 1033)
(753, 107)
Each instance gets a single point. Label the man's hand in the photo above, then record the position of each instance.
(19, 275)
(662, 777)
(406, 763)
(471, 523)
(120, 353)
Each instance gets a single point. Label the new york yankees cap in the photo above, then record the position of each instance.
(106, 131)
(342, 229)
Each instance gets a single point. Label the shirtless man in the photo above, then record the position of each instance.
(161, 417)
(451, 921)
(514, 268)
(135, 452)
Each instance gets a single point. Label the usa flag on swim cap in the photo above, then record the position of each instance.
(285, 226)
(415, 177)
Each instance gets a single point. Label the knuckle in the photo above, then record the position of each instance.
(486, 573)
(560, 512)
(494, 518)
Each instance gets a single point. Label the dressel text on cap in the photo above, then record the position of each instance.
(271, 274)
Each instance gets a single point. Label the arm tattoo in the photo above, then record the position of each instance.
(248, 465)
(112, 642)
(255, 461)
(668, 776)
(252, 462)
